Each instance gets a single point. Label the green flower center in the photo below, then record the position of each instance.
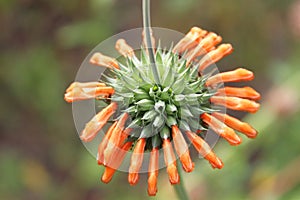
(179, 99)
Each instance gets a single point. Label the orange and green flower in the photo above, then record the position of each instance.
(167, 112)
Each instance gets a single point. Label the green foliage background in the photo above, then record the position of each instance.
(42, 44)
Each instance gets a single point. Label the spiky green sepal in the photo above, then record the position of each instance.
(178, 99)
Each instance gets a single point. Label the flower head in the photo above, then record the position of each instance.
(167, 112)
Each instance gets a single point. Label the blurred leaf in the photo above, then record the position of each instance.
(85, 33)
(35, 177)
(35, 80)
(11, 181)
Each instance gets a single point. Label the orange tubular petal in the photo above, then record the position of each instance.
(107, 174)
(76, 94)
(104, 91)
(98, 121)
(104, 142)
(170, 162)
(210, 40)
(206, 45)
(85, 85)
(215, 55)
(125, 134)
(109, 171)
(236, 103)
(237, 75)
(105, 61)
(236, 124)
(153, 172)
(190, 40)
(244, 92)
(221, 129)
(182, 149)
(115, 142)
(136, 161)
(203, 148)
(124, 49)
(117, 133)
(82, 91)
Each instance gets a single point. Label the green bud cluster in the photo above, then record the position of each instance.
(179, 98)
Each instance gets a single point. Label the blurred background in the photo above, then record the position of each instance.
(42, 44)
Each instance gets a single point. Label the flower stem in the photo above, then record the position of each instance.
(147, 29)
(179, 188)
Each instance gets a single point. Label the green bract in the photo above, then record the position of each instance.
(178, 99)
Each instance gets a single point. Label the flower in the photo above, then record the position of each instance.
(167, 114)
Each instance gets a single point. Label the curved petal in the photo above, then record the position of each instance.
(244, 92)
(109, 171)
(182, 149)
(221, 129)
(237, 75)
(190, 40)
(136, 161)
(170, 162)
(98, 121)
(103, 61)
(85, 85)
(124, 49)
(236, 103)
(236, 124)
(81, 91)
(153, 172)
(114, 141)
(204, 46)
(214, 56)
(203, 148)
(103, 144)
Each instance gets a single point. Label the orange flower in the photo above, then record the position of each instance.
(109, 171)
(215, 55)
(221, 129)
(124, 48)
(98, 121)
(104, 142)
(236, 103)
(81, 91)
(153, 172)
(203, 148)
(204, 45)
(171, 105)
(236, 124)
(191, 39)
(237, 75)
(114, 141)
(170, 162)
(104, 61)
(182, 149)
(244, 92)
(136, 161)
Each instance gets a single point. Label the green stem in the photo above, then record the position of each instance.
(147, 29)
(179, 188)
